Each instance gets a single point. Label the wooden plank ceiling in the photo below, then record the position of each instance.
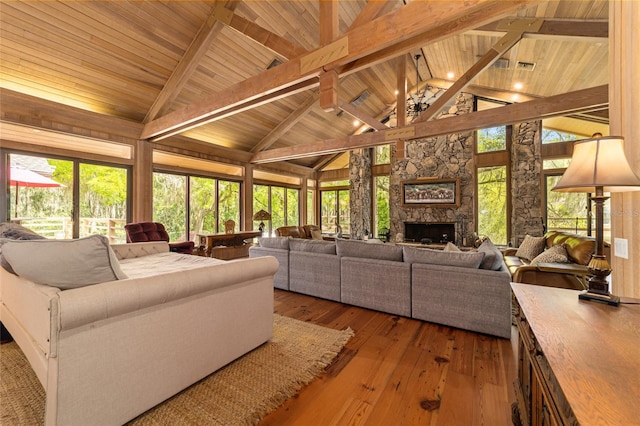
(154, 62)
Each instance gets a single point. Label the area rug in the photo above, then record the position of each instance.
(241, 393)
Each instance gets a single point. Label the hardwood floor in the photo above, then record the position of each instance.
(399, 371)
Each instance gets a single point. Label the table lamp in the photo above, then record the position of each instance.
(597, 166)
(261, 216)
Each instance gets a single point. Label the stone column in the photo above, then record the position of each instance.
(526, 171)
(360, 192)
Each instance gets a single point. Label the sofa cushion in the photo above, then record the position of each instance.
(531, 247)
(312, 246)
(348, 248)
(555, 254)
(444, 258)
(492, 256)
(64, 263)
(274, 242)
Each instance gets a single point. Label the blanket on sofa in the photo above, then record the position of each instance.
(162, 263)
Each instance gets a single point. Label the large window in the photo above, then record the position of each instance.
(555, 136)
(381, 206)
(492, 139)
(103, 201)
(206, 202)
(282, 203)
(42, 197)
(335, 214)
(492, 203)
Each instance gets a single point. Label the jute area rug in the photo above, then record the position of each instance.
(241, 393)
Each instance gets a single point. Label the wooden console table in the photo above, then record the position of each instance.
(207, 243)
(577, 360)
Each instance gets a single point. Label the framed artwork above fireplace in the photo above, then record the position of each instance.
(431, 193)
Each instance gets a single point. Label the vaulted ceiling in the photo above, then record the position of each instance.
(256, 76)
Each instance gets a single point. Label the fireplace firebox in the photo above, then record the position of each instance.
(435, 232)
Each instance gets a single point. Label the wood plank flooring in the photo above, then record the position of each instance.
(400, 371)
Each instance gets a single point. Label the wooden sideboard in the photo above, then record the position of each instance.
(578, 361)
(211, 245)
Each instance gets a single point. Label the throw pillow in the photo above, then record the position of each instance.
(530, 247)
(555, 254)
(64, 263)
(440, 257)
(451, 247)
(316, 234)
(492, 256)
(274, 242)
(14, 231)
(312, 246)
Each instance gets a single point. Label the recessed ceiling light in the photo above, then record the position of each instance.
(450, 75)
(518, 86)
(356, 123)
(396, 92)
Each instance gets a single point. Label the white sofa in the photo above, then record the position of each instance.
(107, 352)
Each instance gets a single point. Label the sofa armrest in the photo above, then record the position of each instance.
(562, 275)
(510, 251)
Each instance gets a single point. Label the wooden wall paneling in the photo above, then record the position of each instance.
(624, 95)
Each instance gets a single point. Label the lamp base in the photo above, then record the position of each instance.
(608, 298)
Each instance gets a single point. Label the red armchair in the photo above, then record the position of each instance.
(155, 231)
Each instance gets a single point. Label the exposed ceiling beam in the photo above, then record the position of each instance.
(497, 50)
(415, 18)
(189, 61)
(574, 102)
(552, 28)
(285, 125)
(473, 18)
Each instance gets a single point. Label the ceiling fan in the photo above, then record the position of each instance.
(420, 101)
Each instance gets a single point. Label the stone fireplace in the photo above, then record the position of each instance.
(435, 232)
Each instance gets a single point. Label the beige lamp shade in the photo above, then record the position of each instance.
(262, 215)
(599, 162)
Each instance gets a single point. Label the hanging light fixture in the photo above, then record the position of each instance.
(419, 102)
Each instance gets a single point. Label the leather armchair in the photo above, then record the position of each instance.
(155, 231)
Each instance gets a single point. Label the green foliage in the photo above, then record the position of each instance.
(229, 203)
(170, 203)
(492, 203)
(382, 203)
(202, 205)
(492, 139)
(566, 211)
(328, 210)
(383, 154)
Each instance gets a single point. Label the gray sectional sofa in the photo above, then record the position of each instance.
(468, 290)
